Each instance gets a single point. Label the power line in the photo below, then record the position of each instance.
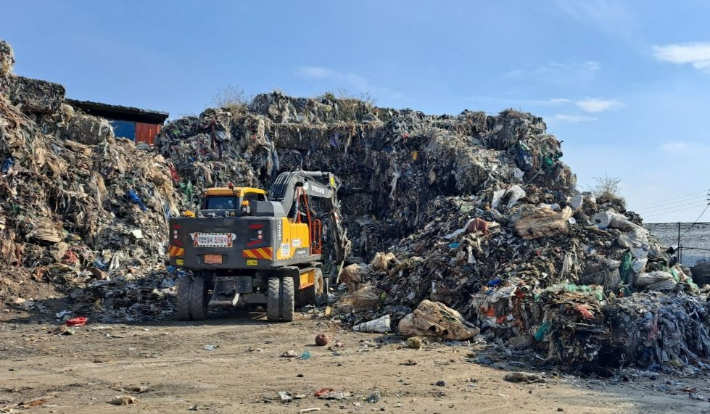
(694, 200)
(671, 203)
(701, 193)
(696, 248)
(695, 222)
(677, 198)
(673, 200)
(671, 209)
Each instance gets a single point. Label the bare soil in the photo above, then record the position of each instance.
(234, 364)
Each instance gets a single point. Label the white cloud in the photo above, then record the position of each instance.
(525, 102)
(321, 73)
(571, 118)
(697, 54)
(513, 74)
(557, 73)
(315, 72)
(567, 73)
(595, 105)
(692, 149)
(555, 101)
(344, 81)
(674, 146)
(589, 105)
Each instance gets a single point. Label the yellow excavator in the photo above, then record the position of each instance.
(245, 247)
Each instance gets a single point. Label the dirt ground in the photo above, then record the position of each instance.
(234, 364)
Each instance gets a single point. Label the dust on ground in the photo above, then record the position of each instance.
(233, 363)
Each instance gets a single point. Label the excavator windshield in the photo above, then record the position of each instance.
(221, 203)
(231, 199)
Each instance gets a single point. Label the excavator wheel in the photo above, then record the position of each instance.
(198, 299)
(183, 297)
(273, 306)
(287, 299)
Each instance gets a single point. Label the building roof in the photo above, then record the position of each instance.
(118, 112)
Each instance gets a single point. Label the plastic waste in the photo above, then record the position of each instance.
(7, 165)
(523, 157)
(379, 325)
(136, 199)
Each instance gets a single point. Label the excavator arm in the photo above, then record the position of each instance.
(315, 184)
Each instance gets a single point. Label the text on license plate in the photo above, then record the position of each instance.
(213, 240)
(213, 259)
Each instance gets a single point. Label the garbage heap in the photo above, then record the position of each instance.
(391, 162)
(576, 280)
(78, 207)
(477, 212)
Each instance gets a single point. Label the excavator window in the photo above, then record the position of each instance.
(221, 202)
(254, 197)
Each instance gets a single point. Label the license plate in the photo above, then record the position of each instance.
(213, 259)
(213, 240)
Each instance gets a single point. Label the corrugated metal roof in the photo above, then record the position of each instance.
(118, 112)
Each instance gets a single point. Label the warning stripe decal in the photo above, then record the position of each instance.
(262, 253)
(176, 251)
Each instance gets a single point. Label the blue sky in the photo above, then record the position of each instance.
(625, 84)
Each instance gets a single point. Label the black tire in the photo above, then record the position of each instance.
(198, 299)
(183, 297)
(287, 299)
(273, 308)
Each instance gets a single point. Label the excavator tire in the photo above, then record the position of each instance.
(287, 299)
(273, 308)
(183, 297)
(198, 299)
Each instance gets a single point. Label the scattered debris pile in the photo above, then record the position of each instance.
(78, 207)
(574, 278)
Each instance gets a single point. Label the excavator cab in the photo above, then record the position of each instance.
(229, 201)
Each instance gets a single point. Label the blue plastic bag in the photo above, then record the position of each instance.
(7, 165)
(135, 199)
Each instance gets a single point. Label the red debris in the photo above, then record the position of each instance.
(323, 391)
(80, 321)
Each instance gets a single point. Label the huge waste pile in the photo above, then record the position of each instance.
(472, 217)
(476, 212)
(79, 208)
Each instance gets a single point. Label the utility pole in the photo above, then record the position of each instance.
(680, 258)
